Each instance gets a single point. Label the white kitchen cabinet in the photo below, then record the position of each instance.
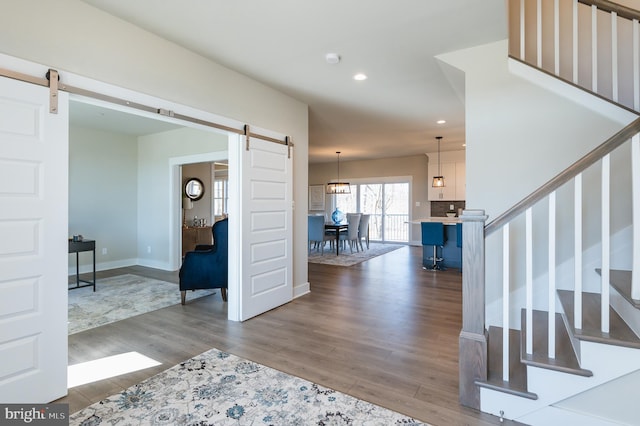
(454, 182)
(461, 181)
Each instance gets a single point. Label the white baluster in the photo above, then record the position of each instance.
(522, 31)
(505, 303)
(552, 275)
(614, 55)
(606, 243)
(529, 278)
(539, 34)
(636, 64)
(575, 42)
(556, 36)
(577, 210)
(635, 185)
(594, 48)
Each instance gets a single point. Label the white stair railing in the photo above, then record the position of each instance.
(472, 342)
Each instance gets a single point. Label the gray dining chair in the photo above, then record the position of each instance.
(353, 220)
(363, 230)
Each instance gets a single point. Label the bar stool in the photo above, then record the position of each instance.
(432, 235)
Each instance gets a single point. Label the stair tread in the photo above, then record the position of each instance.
(565, 358)
(621, 281)
(517, 384)
(620, 334)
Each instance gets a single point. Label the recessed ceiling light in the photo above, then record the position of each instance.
(360, 77)
(464, 144)
(332, 58)
(441, 121)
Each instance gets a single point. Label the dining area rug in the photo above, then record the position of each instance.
(120, 297)
(346, 258)
(218, 388)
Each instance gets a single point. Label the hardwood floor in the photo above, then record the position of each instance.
(385, 331)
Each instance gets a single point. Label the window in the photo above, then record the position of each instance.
(220, 197)
(388, 205)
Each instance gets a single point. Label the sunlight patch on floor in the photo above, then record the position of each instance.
(104, 368)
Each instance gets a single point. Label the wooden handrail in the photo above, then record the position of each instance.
(609, 6)
(565, 176)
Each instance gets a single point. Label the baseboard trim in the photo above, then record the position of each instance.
(301, 290)
(103, 266)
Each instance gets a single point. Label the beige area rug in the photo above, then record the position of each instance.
(218, 388)
(346, 258)
(121, 297)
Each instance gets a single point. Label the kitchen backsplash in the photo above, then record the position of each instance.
(440, 208)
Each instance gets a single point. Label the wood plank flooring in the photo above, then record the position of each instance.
(385, 331)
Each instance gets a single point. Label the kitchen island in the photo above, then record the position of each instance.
(451, 253)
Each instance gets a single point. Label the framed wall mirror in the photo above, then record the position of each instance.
(194, 189)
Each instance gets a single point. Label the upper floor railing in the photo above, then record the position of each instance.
(593, 44)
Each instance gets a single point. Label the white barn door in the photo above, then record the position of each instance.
(33, 244)
(266, 228)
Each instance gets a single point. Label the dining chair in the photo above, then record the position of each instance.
(363, 230)
(316, 233)
(353, 221)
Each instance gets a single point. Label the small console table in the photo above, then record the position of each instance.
(76, 247)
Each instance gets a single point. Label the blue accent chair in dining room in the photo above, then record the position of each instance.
(316, 233)
(208, 265)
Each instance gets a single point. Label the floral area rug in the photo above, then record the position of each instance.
(121, 297)
(217, 388)
(346, 258)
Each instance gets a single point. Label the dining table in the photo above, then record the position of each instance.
(337, 227)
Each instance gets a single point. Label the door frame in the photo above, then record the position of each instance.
(175, 199)
(166, 111)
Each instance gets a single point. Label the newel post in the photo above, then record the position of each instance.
(473, 337)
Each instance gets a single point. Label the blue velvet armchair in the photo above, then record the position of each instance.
(207, 266)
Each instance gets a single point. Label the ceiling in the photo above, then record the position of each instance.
(283, 43)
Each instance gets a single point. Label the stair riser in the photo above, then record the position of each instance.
(626, 311)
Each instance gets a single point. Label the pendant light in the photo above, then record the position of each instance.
(338, 187)
(438, 181)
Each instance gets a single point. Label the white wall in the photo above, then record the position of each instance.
(70, 35)
(202, 208)
(103, 195)
(155, 189)
(518, 137)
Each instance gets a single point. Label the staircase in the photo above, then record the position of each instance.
(561, 339)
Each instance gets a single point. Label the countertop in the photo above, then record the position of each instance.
(444, 220)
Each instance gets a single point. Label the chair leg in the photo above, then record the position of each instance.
(223, 293)
(183, 296)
